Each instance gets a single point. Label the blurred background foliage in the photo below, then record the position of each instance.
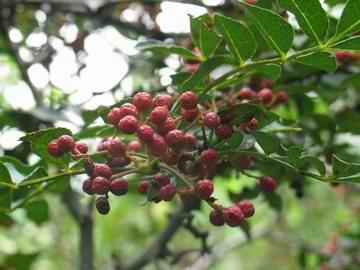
(60, 61)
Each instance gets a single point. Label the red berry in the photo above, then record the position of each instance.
(344, 56)
(87, 187)
(119, 187)
(116, 114)
(142, 101)
(247, 93)
(247, 208)
(143, 187)
(265, 95)
(244, 162)
(66, 143)
(103, 145)
(268, 184)
(233, 216)
(253, 124)
(211, 120)
(204, 189)
(163, 100)
(158, 145)
(188, 100)
(119, 161)
(102, 170)
(251, 2)
(216, 218)
(129, 124)
(128, 109)
(159, 115)
(224, 131)
(102, 205)
(189, 114)
(209, 157)
(167, 192)
(265, 83)
(80, 148)
(54, 149)
(116, 147)
(175, 137)
(167, 126)
(162, 180)
(100, 185)
(190, 141)
(281, 97)
(145, 133)
(134, 146)
(171, 158)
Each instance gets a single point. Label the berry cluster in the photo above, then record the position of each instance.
(168, 151)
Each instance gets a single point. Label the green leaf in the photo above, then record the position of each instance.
(344, 168)
(5, 191)
(351, 44)
(348, 121)
(315, 163)
(275, 30)
(240, 40)
(320, 60)
(38, 211)
(39, 141)
(20, 261)
(310, 16)
(209, 41)
(268, 142)
(203, 71)
(269, 71)
(350, 19)
(90, 132)
(162, 49)
(18, 165)
(274, 201)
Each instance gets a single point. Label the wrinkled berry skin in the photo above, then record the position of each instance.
(145, 133)
(224, 131)
(159, 115)
(143, 101)
(116, 147)
(175, 137)
(100, 185)
(102, 205)
(163, 100)
(190, 115)
(247, 208)
(87, 187)
(117, 113)
(188, 100)
(246, 94)
(216, 218)
(158, 146)
(162, 180)
(209, 157)
(211, 120)
(143, 187)
(190, 141)
(233, 216)
(265, 95)
(114, 116)
(102, 170)
(119, 187)
(268, 184)
(54, 149)
(167, 126)
(204, 189)
(80, 148)
(66, 143)
(167, 192)
(129, 124)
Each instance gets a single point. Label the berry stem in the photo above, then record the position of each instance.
(176, 173)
